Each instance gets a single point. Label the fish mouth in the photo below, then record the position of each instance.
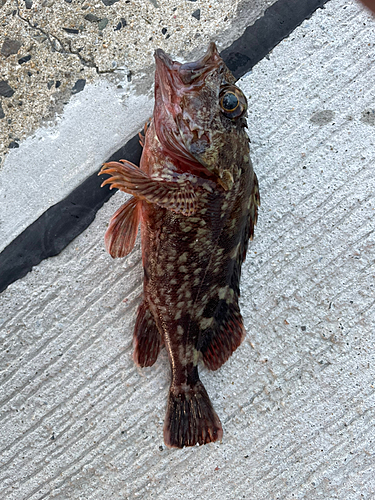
(173, 81)
(187, 72)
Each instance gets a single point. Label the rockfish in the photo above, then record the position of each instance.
(196, 196)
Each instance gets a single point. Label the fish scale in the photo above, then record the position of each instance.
(196, 197)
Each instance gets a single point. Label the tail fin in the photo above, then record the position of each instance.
(190, 418)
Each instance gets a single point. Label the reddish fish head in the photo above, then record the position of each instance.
(200, 115)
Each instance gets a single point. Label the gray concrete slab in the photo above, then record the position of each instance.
(78, 420)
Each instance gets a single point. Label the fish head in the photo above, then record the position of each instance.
(200, 115)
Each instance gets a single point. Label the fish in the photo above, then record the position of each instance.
(196, 197)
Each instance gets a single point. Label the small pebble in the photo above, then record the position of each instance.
(368, 117)
(197, 14)
(28, 4)
(72, 31)
(24, 59)
(50, 83)
(13, 145)
(92, 18)
(10, 47)
(2, 114)
(103, 23)
(79, 86)
(164, 30)
(57, 84)
(40, 38)
(109, 2)
(5, 89)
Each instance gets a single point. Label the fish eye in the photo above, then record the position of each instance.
(232, 102)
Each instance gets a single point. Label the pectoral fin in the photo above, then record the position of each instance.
(123, 228)
(178, 196)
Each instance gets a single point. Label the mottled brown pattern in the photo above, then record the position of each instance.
(197, 197)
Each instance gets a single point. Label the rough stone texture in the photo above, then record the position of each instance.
(297, 399)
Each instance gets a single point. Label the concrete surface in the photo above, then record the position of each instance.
(297, 399)
(115, 67)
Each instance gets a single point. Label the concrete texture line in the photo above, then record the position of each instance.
(345, 89)
(76, 461)
(313, 312)
(74, 317)
(39, 352)
(77, 390)
(102, 390)
(312, 138)
(345, 250)
(79, 458)
(68, 445)
(327, 213)
(83, 386)
(39, 387)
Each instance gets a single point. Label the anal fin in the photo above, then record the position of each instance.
(146, 337)
(123, 228)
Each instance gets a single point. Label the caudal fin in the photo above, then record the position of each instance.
(190, 418)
